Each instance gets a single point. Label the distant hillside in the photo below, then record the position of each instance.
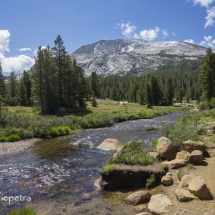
(124, 57)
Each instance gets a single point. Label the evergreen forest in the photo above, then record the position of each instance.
(57, 82)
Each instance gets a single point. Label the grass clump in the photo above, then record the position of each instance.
(108, 168)
(185, 129)
(132, 153)
(22, 211)
(151, 181)
(154, 143)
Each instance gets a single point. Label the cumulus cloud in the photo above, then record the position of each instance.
(150, 34)
(24, 49)
(17, 63)
(210, 17)
(13, 63)
(210, 11)
(189, 41)
(128, 31)
(165, 33)
(4, 40)
(203, 3)
(208, 42)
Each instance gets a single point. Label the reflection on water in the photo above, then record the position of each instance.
(58, 174)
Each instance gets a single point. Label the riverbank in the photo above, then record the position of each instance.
(20, 124)
(8, 148)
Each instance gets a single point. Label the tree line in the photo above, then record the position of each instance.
(57, 81)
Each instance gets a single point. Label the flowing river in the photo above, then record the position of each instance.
(56, 176)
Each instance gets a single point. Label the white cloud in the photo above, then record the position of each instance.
(128, 31)
(150, 34)
(165, 33)
(210, 17)
(208, 42)
(189, 41)
(4, 40)
(17, 64)
(24, 49)
(126, 28)
(13, 63)
(173, 34)
(203, 3)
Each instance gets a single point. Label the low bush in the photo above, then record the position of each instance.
(154, 143)
(132, 153)
(185, 129)
(22, 211)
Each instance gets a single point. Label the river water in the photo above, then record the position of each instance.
(57, 176)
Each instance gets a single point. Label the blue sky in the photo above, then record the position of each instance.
(27, 24)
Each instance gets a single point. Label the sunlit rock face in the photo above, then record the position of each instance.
(121, 57)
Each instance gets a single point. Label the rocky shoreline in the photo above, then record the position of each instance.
(187, 188)
(7, 148)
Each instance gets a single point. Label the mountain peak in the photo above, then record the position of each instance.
(121, 56)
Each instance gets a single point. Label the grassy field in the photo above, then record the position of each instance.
(25, 122)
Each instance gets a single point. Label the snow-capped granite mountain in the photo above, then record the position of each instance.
(121, 56)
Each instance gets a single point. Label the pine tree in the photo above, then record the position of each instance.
(2, 95)
(169, 91)
(12, 90)
(207, 76)
(94, 84)
(59, 52)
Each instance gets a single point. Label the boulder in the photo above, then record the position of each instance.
(166, 149)
(158, 204)
(199, 188)
(138, 197)
(190, 146)
(183, 195)
(154, 154)
(167, 180)
(185, 180)
(110, 144)
(175, 164)
(143, 213)
(120, 175)
(196, 157)
(183, 155)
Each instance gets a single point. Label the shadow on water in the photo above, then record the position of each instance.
(53, 148)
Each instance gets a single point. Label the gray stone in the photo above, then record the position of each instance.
(167, 180)
(175, 164)
(138, 197)
(190, 146)
(166, 149)
(196, 157)
(110, 144)
(183, 155)
(199, 188)
(186, 179)
(158, 204)
(143, 213)
(154, 154)
(183, 195)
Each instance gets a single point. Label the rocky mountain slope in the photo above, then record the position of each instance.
(123, 56)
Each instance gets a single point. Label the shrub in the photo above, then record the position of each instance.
(185, 129)
(154, 143)
(132, 153)
(204, 105)
(13, 138)
(22, 211)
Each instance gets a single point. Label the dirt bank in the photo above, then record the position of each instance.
(7, 148)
